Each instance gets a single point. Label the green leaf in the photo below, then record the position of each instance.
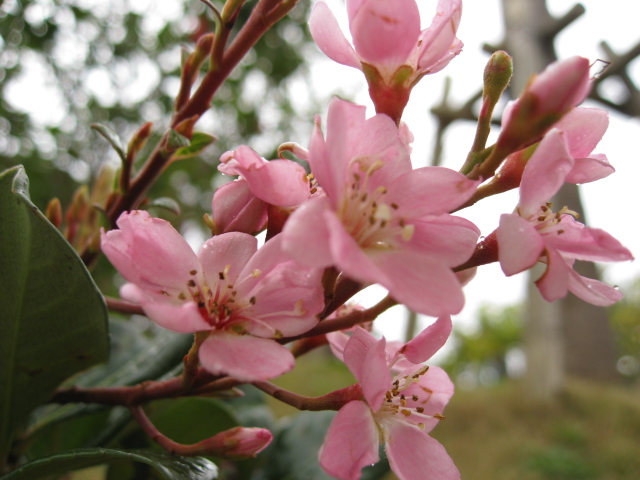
(113, 138)
(134, 358)
(54, 320)
(199, 141)
(168, 467)
(176, 141)
(190, 420)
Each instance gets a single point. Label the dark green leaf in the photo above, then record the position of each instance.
(168, 467)
(111, 137)
(134, 358)
(176, 141)
(199, 141)
(54, 320)
(190, 420)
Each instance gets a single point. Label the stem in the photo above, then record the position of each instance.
(191, 360)
(347, 321)
(122, 306)
(331, 401)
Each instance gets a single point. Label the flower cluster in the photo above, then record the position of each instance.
(357, 213)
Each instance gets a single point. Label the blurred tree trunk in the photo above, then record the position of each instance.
(569, 336)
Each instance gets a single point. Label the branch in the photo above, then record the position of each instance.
(331, 401)
(122, 306)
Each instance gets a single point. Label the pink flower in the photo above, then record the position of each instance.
(547, 97)
(277, 182)
(380, 221)
(390, 48)
(242, 296)
(402, 403)
(535, 233)
(236, 209)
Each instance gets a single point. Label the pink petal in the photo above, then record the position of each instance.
(448, 238)
(562, 85)
(593, 291)
(168, 312)
(385, 32)
(430, 190)
(306, 234)
(437, 40)
(519, 244)
(349, 257)
(421, 282)
(351, 443)
(590, 169)
(545, 172)
(429, 341)
(337, 343)
(583, 243)
(237, 209)
(328, 36)
(366, 358)
(246, 358)
(583, 128)
(414, 455)
(278, 182)
(233, 250)
(150, 252)
(554, 283)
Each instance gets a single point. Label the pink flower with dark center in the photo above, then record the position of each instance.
(242, 296)
(403, 401)
(380, 221)
(390, 48)
(536, 233)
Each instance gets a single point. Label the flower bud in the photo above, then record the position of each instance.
(497, 75)
(236, 209)
(54, 212)
(546, 98)
(238, 443)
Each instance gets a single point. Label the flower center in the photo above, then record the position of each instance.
(399, 402)
(546, 221)
(369, 219)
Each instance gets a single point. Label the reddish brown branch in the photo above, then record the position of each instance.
(331, 401)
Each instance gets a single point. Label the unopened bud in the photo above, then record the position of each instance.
(546, 98)
(54, 212)
(237, 443)
(497, 75)
(237, 209)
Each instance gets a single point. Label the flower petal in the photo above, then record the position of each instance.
(429, 341)
(430, 190)
(329, 37)
(226, 255)
(519, 244)
(244, 357)
(170, 313)
(385, 32)
(593, 291)
(149, 252)
(590, 169)
(545, 172)
(421, 282)
(414, 455)
(437, 40)
(554, 283)
(306, 234)
(351, 443)
(584, 128)
(366, 358)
